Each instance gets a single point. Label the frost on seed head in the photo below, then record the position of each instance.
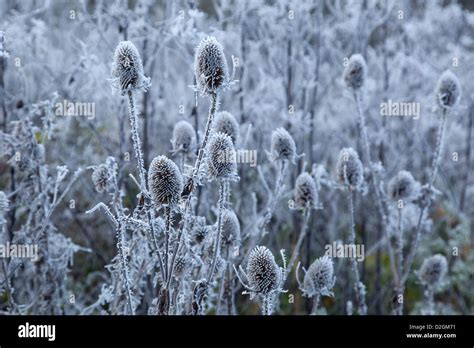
(349, 168)
(263, 273)
(100, 177)
(355, 71)
(306, 193)
(221, 158)
(230, 229)
(319, 278)
(199, 230)
(210, 66)
(433, 270)
(225, 122)
(283, 146)
(448, 90)
(402, 186)
(127, 69)
(165, 181)
(184, 138)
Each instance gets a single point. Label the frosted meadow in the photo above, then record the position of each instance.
(237, 157)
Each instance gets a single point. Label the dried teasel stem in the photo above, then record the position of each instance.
(302, 234)
(360, 296)
(136, 140)
(315, 306)
(190, 186)
(399, 256)
(217, 243)
(434, 171)
(123, 263)
(373, 179)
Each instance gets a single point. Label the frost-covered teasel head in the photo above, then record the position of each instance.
(165, 181)
(355, 71)
(230, 229)
(263, 273)
(184, 138)
(306, 193)
(221, 159)
(199, 230)
(433, 270)
(225, 122)
(210, 66)
(448, 90)
(100, 177)
(127, 69)
(402, 186)
(319, 278)
(349, 168)
(283, 146)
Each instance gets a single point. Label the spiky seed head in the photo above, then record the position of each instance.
(263, 273)
(4, 203)
(448, 90)
(433, 270)
(100, 177)
(230, 229)
(199, 230)
(319, 278)
(184, 137)
(165, 181)
(127, 69)
(221, 158)
(305, 191)
(283, 145)
(402, 186)
(210, 65)
(180, 265)
(349, 168)
(355, 71)
(225, 122)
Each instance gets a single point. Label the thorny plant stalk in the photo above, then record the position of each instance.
(296, 250)
(210, 118)
(142, 174)
(136, 141)
(315, 306)
(123, 261)
(221, 298)
(373, 179)
(399, 257)
(360, 296)
(426, 199)
(217, 243)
